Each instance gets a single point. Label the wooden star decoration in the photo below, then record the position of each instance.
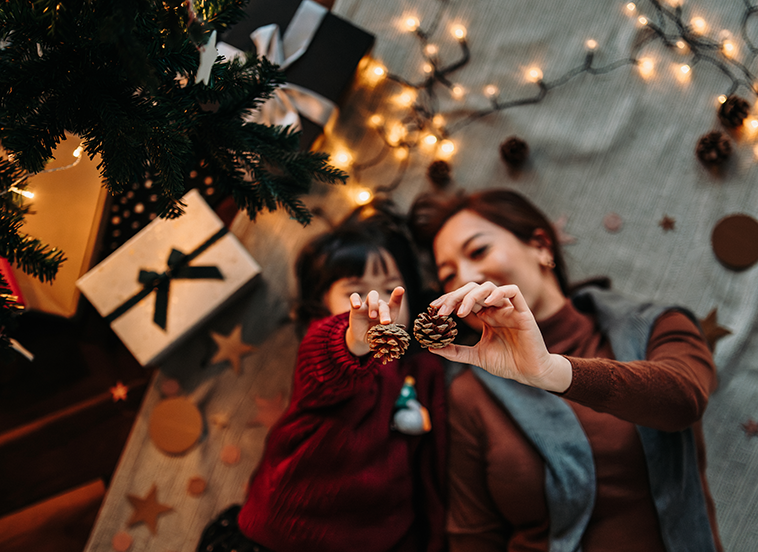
(269, 410)
(667, 223)
(231, 348)
(750, 428)
(147, 510)
(713, 332)
(559, 225)
(119, 392)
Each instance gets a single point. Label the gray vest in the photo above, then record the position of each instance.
(552, 427)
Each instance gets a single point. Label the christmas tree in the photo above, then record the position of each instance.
(123, 75)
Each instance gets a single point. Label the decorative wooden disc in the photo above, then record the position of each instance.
(735, 241)
(175, 425)
(196, 486)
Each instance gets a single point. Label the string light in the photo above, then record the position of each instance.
(698, 25)
(729, 48)
(428, 68)
(430, 139)
(343, 158)
(534, 74)
(25, 193)
(363, 196)
(447, 147)
(681, 44)
(754, 123)
(78, 152)
(404, 99)
(401, 153)
(683, 73)
(438, 120)
(642, 19)
(375, 73)
(631, 7)
(457, 91)
(684, 69)
(376, 120)
(459, 32)
(431, 50)
(591, 44)
(490, 91)
(412, 23)
(647, 67)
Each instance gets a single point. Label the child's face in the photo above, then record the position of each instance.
(337, 299)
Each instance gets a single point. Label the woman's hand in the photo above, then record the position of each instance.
(364, 315)
(511, 345)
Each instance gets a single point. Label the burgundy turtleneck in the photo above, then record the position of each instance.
(497, 490)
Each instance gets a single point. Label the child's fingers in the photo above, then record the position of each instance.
(395, 302)
(355, 301)
(372, 300)
(385, 316)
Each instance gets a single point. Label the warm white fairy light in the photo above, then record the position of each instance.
(459, 31)
(684, 69)
(642, 19)
(631, 7)
(363, 196)
(438, 120)
(428, 68)
(431, 50)
(753, 123)
(401, 153)
(647, 67)
(534, 74)
(722, 98)
(25, 193)
(681, 44)
(457, 91)
(591, 44)
(404, 99)
(447, 147)
(78, 152)
(698, 25)
(343, 158)
(411, 23)
(430, 139)
(729, 48)
(376, 120)
(396, 133)
(490, 91)
(375, 73)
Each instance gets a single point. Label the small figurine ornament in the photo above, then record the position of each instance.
(410, 416)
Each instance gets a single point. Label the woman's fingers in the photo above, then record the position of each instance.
(447, 303)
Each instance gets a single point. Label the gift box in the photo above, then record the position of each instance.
(168, 279)
(329, 48)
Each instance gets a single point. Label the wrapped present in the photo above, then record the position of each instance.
(168, 279)
(318, 51)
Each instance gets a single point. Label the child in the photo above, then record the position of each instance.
(338, 474)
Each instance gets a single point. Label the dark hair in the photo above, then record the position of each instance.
(506, 208)
(343, 253)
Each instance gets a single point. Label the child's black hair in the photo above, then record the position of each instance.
(343, 253)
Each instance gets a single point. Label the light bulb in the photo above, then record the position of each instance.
(428, 68)
(438, 120)
(647, 66)
(431, 50)
(681, 44)
(430, 139)
(490, 91)
(684, 69)
(591, 44)
(78, 152)
(754, 123)
(729, 48)
(534, 74)
(342, 158)
(401, 153)
(457, 91)
(376, 120)
(722, 98)
(459, 31)
(405, 99)
(363, 196)
(447, 146)
(411, 23)
(631, 7)
(642, 19)
(698, 25)
(378, 71)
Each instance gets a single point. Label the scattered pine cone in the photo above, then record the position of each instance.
(714, 148)
(439, 173)
(514, 151)
(733, 111)
(388, 341)
(434, 331)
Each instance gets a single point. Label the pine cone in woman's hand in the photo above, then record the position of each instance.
(388, 341)
(434, 331)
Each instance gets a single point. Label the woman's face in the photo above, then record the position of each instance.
(337, 298)
(469, 248)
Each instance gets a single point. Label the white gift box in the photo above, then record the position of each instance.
(173, 273)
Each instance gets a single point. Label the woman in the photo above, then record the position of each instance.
(584, 431)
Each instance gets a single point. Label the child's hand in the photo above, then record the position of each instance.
(364, 315)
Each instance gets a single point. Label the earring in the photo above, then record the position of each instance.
(550, 264)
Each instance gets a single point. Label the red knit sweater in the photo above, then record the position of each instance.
(334, 477)
(497, 493)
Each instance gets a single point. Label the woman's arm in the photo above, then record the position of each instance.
(668, 390)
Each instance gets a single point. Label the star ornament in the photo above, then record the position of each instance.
(231, 348)
(119, 392)
(208, 55)
(147, 510)
(713, 332)
(667, 223)
(750, 428)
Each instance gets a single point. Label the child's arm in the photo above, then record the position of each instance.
(363, 315)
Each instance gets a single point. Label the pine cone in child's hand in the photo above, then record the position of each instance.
(388, 341)
(434, 331)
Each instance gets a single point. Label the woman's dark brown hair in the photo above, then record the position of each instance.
(506, 208)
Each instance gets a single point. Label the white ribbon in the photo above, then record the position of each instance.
(289, 100)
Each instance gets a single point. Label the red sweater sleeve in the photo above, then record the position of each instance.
(327, 372)
(667, 391)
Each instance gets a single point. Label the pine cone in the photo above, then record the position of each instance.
(733, 111)
(713, 148)
(514, 151)
(388, 341)
(434, 331)
(439, 173)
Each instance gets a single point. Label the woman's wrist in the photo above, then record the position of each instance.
(558, 378)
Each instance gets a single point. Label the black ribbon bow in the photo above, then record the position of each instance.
(178, 267)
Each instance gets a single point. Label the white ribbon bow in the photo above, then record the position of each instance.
(289, 100)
